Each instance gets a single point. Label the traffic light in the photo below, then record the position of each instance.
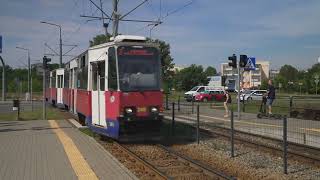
(243, 60)
(233, 60)
(45, 62)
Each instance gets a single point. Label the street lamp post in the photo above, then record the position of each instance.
(60, 40)
(300, 84)
(28, 95)
(316, 80)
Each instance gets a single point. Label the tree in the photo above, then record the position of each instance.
(289, 72)
(210, 71)
(167, 64)
(310, 78)
(190, 77)
(100, 39)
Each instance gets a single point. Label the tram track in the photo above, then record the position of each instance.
(301, 152)
(162, 162)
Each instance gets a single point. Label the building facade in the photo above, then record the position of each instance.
(249, 79)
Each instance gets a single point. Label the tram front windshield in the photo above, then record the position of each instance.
(139, 68)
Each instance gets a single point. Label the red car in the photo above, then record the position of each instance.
(217, 95)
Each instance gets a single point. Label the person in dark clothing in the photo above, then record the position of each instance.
(271, 95)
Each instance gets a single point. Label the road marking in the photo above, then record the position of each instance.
(78, 163)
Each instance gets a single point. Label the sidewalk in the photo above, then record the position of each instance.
(54, 150)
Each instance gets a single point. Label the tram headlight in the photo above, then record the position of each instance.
(128, 110)
(154, 110)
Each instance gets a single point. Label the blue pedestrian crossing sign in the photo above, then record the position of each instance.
(0, 44)
(251, 64)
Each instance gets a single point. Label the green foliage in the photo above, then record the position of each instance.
(17, 79)
(210, 71)
(100, 39)
(264, 84)
(190, 77)
(166, 62)
(300, 79)
(289, 73)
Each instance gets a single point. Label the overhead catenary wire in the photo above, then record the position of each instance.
(133, 9)
(169, 13)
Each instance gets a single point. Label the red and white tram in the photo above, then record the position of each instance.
(114, 88)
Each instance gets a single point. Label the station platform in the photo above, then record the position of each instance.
(54, 149)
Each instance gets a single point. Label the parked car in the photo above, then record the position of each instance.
(255, 95)
(189, 96)
(211, 95)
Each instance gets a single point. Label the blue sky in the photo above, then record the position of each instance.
(206, 32)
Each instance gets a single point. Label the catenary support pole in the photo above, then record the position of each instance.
(3, 79)
(198, 123)
(239, 78)
(115, 18)
(285, 146)
(44, 113)
(232, 133)
(60, 63)
(29, 73)
(173, 119)
(31, 96)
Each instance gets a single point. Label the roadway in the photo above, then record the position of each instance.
(6, 106)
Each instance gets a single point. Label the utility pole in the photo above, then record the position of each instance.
(60, 64)
(316, 80)
(115, 17)
(44, 66)
(60, 39)
(3, 80)
(239, 78)
(28, 93)
(105, 25)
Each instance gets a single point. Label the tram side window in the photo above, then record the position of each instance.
(82, 77)
(112, 70)
(66, 78)
(60, 81)
(94, 77)
(48, 81)
(75, 78)
(53, 80)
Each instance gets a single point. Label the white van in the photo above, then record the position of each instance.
(198, 89)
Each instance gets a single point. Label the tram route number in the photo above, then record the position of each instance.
(142, 109)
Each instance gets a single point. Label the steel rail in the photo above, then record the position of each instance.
(226, 135)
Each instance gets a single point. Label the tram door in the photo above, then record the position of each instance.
(98, 93)
(71, 98)
(60, 89)
(74, 88)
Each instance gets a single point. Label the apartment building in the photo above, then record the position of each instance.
(249, 79)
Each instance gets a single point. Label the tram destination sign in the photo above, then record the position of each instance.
(131, 51)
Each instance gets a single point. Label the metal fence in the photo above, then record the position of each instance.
(279, 126)
(20, 110)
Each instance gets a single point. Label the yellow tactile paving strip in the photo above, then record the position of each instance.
(78, 163)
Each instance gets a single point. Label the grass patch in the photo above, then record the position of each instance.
(52, 113)
(87, 131)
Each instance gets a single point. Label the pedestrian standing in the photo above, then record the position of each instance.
(226, 102)
(271, 96)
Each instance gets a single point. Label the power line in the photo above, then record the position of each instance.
(133, 9)
(178, 9)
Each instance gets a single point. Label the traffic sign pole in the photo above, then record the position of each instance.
(239, 73)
